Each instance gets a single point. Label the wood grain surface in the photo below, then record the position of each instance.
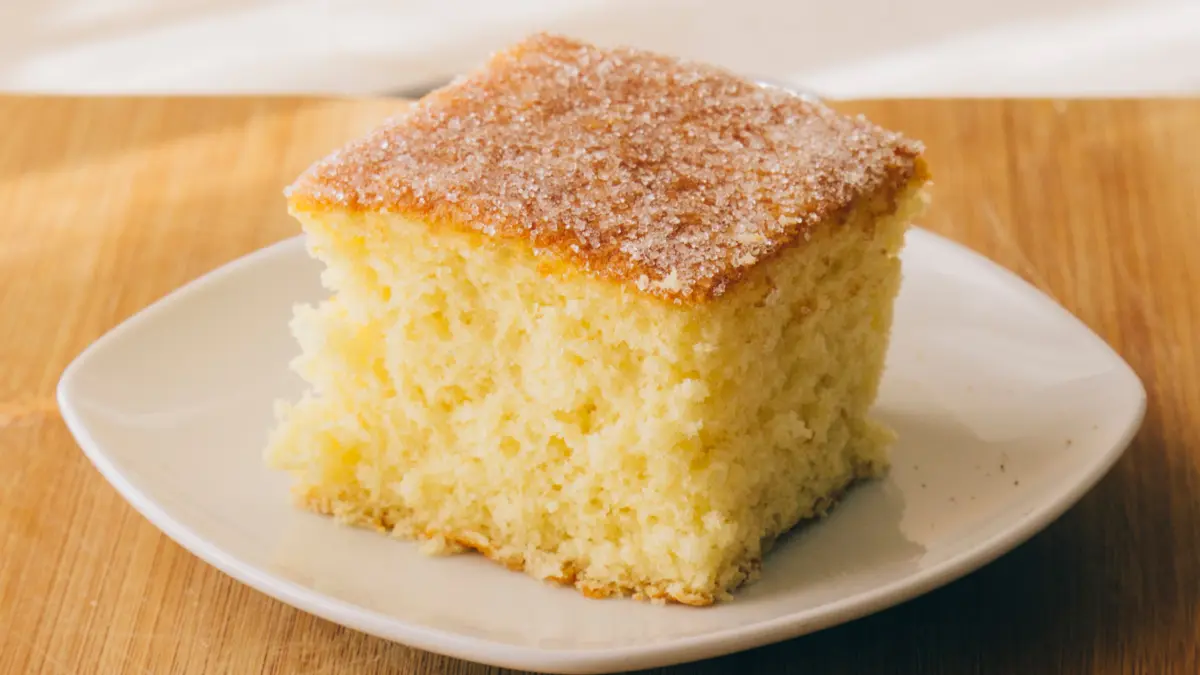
(107, 204)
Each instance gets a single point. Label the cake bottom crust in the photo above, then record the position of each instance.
(388, 521)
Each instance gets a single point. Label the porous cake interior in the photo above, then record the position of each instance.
(468, 392)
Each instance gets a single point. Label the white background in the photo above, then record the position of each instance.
(839, 48)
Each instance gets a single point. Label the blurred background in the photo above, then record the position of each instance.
(847, 48)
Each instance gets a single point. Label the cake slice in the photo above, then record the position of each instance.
(608, 317)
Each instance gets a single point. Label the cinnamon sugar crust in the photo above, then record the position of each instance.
(671, 176)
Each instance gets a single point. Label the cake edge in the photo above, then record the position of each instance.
(447, 543)
(552, 261)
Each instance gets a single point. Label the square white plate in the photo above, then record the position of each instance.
(1007, 407)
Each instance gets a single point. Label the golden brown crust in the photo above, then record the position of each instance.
(383, 521)
(386, 521)
(670, 176)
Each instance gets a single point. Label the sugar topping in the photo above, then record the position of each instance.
(673, 176)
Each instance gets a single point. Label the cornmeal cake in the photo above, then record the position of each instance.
(608, 317)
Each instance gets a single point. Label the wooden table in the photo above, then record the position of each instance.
(109, 203)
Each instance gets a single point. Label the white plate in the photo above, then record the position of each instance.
(1008, 410)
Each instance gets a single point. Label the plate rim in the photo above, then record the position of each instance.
(591, 659)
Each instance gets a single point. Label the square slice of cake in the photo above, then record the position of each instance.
(607, 317)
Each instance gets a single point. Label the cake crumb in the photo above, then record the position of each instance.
(439, 545)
